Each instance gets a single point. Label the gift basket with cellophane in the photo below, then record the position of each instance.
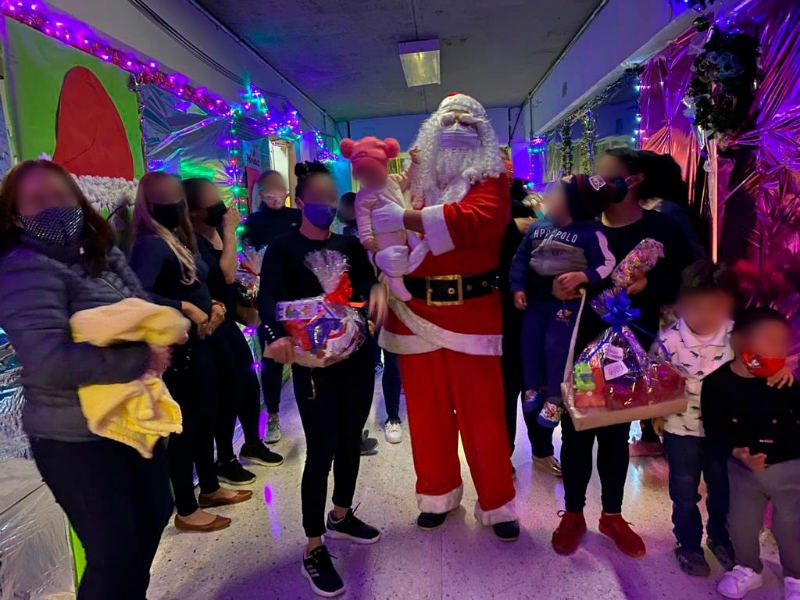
(614, 380)
(247, 275)
(328, 328)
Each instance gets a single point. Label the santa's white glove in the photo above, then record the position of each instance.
(393, 260)
(388, 218)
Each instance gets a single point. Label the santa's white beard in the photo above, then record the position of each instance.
(453, 163)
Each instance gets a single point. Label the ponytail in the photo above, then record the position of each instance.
(662, 179)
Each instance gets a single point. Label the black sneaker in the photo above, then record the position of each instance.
(692, 562)
(429, 521)
(321, 574)
(723, 553)
(507, 531)
(369, 446)
(261, 455)
(232, 473)
(350, 527)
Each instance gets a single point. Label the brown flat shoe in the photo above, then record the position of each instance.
(210, 501)
(216, 525)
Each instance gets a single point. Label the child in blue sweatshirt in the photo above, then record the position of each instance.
(569, 246)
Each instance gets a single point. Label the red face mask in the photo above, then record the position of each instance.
(762, 366)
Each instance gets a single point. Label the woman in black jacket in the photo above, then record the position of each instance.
(57, 257)
(239, 392)
(164, 256)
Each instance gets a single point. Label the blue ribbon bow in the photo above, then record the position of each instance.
(617, 310)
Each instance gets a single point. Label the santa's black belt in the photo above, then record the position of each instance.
(451, 290)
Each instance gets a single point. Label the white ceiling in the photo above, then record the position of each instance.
(343, 53)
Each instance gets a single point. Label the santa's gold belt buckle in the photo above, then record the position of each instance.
(455, 291)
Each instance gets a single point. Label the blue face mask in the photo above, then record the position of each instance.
(320, 215)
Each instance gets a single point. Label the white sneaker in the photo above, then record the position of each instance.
(273, 434)
(393, 432)
(791, 588)
(737, 582)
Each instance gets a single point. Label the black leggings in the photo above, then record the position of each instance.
(612, 464)
(238, 389)
(192, 381)
(118, 503)
(334, 404)
(271, 379)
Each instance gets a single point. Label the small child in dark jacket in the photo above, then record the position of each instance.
(569, 246)
(758, 427)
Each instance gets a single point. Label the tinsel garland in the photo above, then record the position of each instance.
(13, 443)
(589, 137)
(630, 78)
(566, 148)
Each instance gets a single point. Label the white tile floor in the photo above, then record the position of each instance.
(258, 557)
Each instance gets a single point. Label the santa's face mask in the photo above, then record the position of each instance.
(458, 132)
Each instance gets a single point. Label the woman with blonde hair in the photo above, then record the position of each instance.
(165, 258)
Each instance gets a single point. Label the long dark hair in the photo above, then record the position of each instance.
(305, 171)
(663, 179)
(98, 236)
(662, 175)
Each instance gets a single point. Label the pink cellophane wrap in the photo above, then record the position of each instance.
(638, 261)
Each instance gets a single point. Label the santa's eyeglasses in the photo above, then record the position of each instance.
(465, 119)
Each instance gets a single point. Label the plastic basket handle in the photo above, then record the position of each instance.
(571, 356)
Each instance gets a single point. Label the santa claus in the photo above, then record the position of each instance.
(448, 335)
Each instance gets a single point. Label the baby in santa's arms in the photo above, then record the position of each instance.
(370, 157)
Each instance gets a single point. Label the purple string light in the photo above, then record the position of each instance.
(77, 35)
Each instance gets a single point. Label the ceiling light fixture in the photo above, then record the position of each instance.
(420, 61)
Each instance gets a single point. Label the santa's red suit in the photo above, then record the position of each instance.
(449, 339)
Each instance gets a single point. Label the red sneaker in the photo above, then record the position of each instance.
(618, 529)
(567, 536)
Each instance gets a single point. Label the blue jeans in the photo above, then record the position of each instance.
(545, 343)
(390, 381)
(689, 458)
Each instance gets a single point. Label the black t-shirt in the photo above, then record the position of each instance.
(220, 290)
(744, 412)
(284, 275)
(158, 269)
(263, 226)
(663, 281)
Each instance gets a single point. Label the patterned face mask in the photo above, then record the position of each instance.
(58, 226)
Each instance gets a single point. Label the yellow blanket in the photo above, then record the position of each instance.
(139, 412)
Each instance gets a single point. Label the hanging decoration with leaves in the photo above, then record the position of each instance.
(721, 92)
(566, 148)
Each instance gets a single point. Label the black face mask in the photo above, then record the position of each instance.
(215, 214)
(169, 216)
